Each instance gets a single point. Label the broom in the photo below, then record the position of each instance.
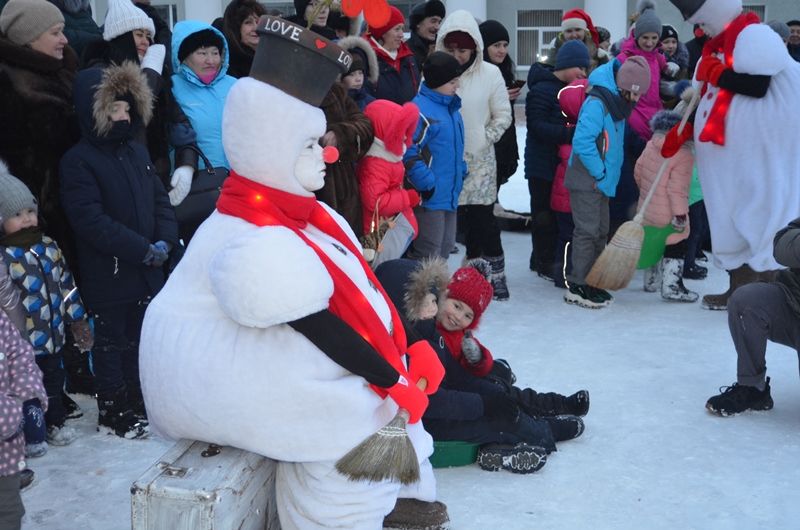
(386, 455)
(616, 265)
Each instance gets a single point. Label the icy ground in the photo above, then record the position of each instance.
(651, 456)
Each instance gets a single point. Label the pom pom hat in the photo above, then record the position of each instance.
(470, 286)
(122, 17)
(23, 21)
(648, 21)
(15, 196)
(578, 18)
(395, 17)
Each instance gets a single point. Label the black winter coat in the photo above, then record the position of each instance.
(398, 85)
(420, 47)
(546, 124)
(117, 207)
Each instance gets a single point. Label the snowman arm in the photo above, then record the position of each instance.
(755, 86)
(346, 348)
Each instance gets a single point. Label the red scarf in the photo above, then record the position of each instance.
(263, 206)
(714, 131)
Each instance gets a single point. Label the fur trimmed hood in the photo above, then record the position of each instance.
(430, 277)
(664, 120)
(355, 44)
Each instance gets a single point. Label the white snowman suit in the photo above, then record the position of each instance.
(220, 364)
(751, 185)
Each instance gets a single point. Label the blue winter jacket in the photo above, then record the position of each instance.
(595, 120)
(202, 103)
(443, 143)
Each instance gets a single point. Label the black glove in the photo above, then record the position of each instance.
(499, 406)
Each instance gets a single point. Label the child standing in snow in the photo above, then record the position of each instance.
(50, 301)
(675, 52)
(20, 381)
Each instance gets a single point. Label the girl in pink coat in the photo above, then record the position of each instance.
(669, 205)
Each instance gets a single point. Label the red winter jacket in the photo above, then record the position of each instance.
(453, 341)
(571, 98)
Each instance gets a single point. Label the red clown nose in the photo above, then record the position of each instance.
(330, 154)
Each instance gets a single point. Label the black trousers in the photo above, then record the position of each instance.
(52, 369)
(481, 231)
(544, 228)
(116, 346)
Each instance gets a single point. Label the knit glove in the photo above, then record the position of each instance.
(500, 406)
(673, 141)
(154, 58)
(82, 333)
(423, 362)
(672, 69)
(413, 198)
(471, 349)
(181, 183)
(679, 222)
(409, 397)
(709, 69)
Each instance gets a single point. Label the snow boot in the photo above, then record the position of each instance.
(116, 417)
(26, 477)
(413, 514)
(695, 272)
(652, 277)
(519, 458)
(738, 277)
(498, 278)
(541, 404)
(738, 398)
(72, 409)
(565, 427)
(578, 403)
(672, 287)
(35, 450)
(63, 435)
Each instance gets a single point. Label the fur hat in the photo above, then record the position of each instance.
(15, 196)
(634, 75)
(23, 21)
(470, 285)
(409, 282)
(571, 54)
(122, 17)
(361, 51)
(123, 82)
(440, 68)
(395, 17)
(647, 21)
(200, 39)
(431, 8)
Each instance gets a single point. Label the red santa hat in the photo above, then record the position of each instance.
(578, 18)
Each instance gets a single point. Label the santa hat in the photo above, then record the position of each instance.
(578, 18)
(122, 17)
(470, 285)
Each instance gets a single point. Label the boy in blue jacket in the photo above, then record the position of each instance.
(595, 166)
(435, 161)
(124, 228)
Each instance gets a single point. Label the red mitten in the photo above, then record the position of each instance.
(674, 141)
(709, 69)
(423, 362)
(409, 397)
(413, 198)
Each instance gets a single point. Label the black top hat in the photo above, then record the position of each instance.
(296, 60)
(688, 7)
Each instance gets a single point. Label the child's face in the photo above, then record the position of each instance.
(669, 45)
(462, 55)
(354, 81)
(648, 41)
(454, 315)
(449, 88)
(429, 307)
(120, 111)
(25, 218)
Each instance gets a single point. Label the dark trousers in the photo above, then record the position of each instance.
(116, 346)
(757, 313)
(544, 228)
(484, 431)
(563, 252)
(52, 367)
(698, 232)
(481, 231)
(11, 508)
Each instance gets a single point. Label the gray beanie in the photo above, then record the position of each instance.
(15, 195)
(22, 21)
(648, 21)
(634, 75)
(781, 28)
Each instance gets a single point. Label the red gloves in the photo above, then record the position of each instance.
(409, 397)
(709, 69)
(413, 198)
(423, 362)
(673, 141)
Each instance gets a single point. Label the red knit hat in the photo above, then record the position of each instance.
(578, 18)
(395, 17)
(460, 39)
(470, 286)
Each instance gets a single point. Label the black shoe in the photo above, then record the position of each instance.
(520, 458)
(701, 256)
(578, 403)
(26, 477)
(695, 272)
(602, 293)
(584, 296)
(116, 417)
(565, 427)
(738, 398)
(72, 409)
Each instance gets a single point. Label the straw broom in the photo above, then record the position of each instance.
(386, 455)
(616, 265)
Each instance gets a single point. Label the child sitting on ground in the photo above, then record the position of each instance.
(50, 301)
(517, 427)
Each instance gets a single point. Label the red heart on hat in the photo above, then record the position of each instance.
(320, 44)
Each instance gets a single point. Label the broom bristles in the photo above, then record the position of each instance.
(616, 265)
(386, 455)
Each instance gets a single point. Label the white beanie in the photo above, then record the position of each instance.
(122, 17)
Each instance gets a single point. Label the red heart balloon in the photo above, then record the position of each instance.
(320, 44)
(352, 8)
(377, 13)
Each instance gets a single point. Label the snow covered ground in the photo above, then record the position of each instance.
(651, 456)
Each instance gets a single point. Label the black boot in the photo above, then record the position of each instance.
(565, 427)
(413, 514)
(498, 278)
(540, 404)
(116, 417)
(136, 402)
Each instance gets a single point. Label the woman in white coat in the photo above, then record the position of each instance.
(486, 115)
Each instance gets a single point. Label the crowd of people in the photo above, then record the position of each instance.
(107, 127)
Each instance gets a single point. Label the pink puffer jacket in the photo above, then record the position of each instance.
(570, 98)
(671, 198)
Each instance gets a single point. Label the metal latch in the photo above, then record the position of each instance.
(172, 471)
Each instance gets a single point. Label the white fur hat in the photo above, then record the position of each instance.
(122, 17)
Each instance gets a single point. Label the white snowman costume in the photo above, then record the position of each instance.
(218, 361)
(751, 184)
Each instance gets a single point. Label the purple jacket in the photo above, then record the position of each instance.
(20, 380)
(650, 103)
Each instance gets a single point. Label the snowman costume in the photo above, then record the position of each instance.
(222, 359)
(747, 158)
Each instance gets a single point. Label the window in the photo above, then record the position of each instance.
(536, 29)
(758, 9)
(286, 9)
(168, 13)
